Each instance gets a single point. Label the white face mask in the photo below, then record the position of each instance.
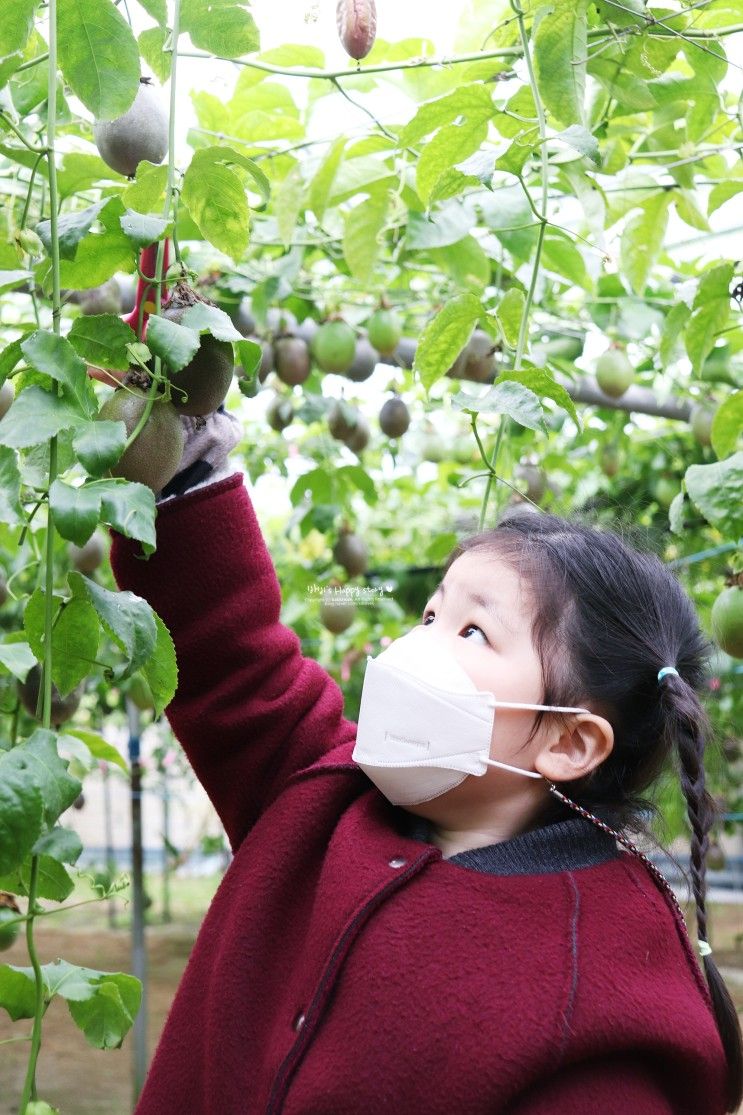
(423, 725)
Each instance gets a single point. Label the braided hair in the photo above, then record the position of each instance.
(614, 627)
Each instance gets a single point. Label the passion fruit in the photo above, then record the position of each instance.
(727, 621)
(609, 460)
(614, 373)
(350, 551)
(384, 331)
(365, 361)
(103, 299)
(279, 320)
(86, 559)
(62, 707)
(700, 420)
(404, 354)
(334, 346)
(200, 387)
(153, 459)
(359, 437)
(342, 419)
(535, 479)
(242, 317)
(9, 911)
(394, 417)
(140, 693)
(306, 329)
(337, 613)
(7, 394)
(291, 360)
(140, 134)
(479, 358)
(279, 412)
(357, 26)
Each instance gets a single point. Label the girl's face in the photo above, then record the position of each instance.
(483, 611)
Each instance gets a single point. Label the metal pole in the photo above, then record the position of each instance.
(108, 829)
(139, 955)
(166, 846)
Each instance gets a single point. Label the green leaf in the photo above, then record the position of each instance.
(717, 490)
(562, 256)
(673, 326)
(581, 140)
(21, 811)
(642, 240)
(10, 488)
(709, 313)
(71, 228)
(360, 479)
(76, 510)
(727, 426)
(221, 27)
(161, 669)
(52, 880)
(61, 844)
(99, 748)
(55, 357)
(543, 385)
(9, 357)
(173, 343)
(450, 145)
(99, 444)
(444, 337)
(75, 637)
(147, 191)
(723, 192)
(107, 1018)
(17, 659)
(144, 228)
(9, 280)
(248, 354)
(474, 102)
(203, 318)
(98, 56)
(38, 762)
(506, 397)
(35, 417)
(17, 991)
(16, 25)
(158, 9)
(321, 184)
(216, 200)
(130, 509)
(560, 55)
(127, 618)
(151, 43)
(361, 235)
(288, 202)
(101, 340)
(509, 314)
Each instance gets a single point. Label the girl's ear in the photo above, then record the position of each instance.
(573, 751)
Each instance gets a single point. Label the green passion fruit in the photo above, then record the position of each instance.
(350, 551)
(614, 373)
(384, 330)
(336, 612)
(727, 621)
(622, 13)
(153, 458)
(334, 346)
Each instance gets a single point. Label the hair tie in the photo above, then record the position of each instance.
(667, 670)
(705, 948)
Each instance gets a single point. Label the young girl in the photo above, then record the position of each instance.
(436, 917)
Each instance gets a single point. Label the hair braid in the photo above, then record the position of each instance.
(689, 726)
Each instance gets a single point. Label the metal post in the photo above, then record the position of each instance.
(166, 846)
(108, 829)
(139, 955)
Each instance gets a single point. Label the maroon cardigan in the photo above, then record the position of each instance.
(344, 967)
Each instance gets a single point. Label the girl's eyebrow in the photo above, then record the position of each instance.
(481, 601)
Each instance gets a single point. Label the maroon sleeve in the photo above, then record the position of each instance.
(250, 710)
(623, 1084)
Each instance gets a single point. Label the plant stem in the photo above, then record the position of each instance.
(29, 1085)
(9, 124)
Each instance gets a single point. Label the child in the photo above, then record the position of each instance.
(449, 936)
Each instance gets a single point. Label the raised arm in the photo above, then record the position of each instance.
(250, 709)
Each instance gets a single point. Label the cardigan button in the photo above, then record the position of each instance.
(398, 861)
(299, 1022)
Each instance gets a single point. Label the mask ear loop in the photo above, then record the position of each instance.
(627, 844)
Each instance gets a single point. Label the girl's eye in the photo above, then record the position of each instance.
(469, 627)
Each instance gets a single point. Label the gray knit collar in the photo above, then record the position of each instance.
(563, 845)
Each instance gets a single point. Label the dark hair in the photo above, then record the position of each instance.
(607, 617)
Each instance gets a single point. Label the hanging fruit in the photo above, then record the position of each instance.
(357, 26)
(141, 134)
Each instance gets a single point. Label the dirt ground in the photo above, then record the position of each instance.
(80, 1080)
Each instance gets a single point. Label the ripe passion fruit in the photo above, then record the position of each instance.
(141, 133)
(154, 457)
(200, 387)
